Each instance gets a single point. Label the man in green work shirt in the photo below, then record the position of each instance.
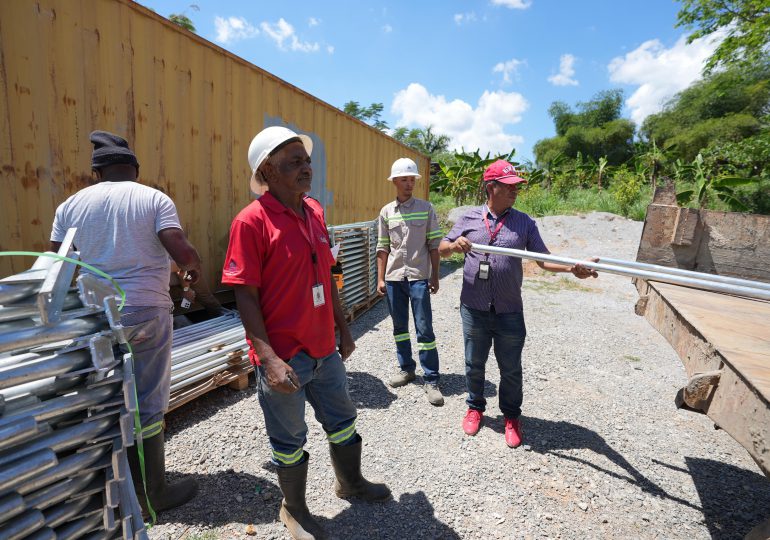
(407, 271)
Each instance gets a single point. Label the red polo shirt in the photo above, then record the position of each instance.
(272, 248)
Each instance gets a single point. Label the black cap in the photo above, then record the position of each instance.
(110, 149)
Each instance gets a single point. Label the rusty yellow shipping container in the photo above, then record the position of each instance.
(188, 108)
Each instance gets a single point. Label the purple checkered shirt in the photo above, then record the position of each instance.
(503, 288)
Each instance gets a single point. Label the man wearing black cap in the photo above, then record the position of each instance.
(128, 230)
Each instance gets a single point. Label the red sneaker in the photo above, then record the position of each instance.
(472, 421)
(512, 432)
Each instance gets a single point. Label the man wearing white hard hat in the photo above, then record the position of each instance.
(408, 236)
(279, 263)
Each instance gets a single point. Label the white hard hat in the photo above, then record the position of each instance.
(269, 139)
(404, 167)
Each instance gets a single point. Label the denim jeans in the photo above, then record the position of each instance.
(400, 293)
(324, 384)
(507, 331)
(148, 330)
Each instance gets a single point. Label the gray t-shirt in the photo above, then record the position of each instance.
(117, 232)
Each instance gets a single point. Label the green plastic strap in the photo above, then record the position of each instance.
(122, 293)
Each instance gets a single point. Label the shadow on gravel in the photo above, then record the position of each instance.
(734, 500)
(548, 437)
(453, 384)
(260, 500)
(368, 391)
(411, 516)
(200, 409)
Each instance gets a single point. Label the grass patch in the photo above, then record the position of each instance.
(632, 358)
(208, 535)
(554, 285)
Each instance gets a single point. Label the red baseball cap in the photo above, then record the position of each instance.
(503, 172)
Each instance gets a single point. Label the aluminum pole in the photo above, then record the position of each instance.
(750, 292)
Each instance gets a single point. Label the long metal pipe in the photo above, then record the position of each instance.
(750, 292)
(64, 405)
(687, 273)
(68, 466)
(18, 472)
(17, 431)
(42, 368)
(77, 528)
(18, 528)
(200, 376)
(10, 505)
(60, 491)
(38, 335)
(61, 513)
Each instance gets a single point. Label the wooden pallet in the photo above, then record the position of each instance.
(236, 377)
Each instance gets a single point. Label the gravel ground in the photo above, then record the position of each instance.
(606, 454)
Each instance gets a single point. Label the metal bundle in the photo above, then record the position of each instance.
(66, 408)
(202, 350)
(358, 258)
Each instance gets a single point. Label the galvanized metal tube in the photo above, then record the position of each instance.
(182, 366)
(12, 292)
(631, 272)
(45, 533)
(38, 335)
(47, 366)
(68, 466)
(26, 310)
(687, 273)
(8, 359)
(17, 472)
(17, 431)
(10, 505)
(61, 513)
(58, 440)
(18, 528)
(203, 366)
(58, 492)
(43, 388)
(199, 377)
(64, 405)
(76, 529)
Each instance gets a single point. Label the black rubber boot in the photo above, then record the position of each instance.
(347, 468)
(294, 512)
(162, 495)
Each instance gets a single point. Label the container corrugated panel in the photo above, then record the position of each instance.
(188, 108)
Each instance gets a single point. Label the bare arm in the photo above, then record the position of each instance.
(347, 345)
(382, 261)
(280, 376)
(578, 270)
(182, 251)
(434, 268)
(461, 245)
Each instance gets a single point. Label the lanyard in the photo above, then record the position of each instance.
(499, 225)
(307, 232)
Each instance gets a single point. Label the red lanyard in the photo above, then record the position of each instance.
(499, 225)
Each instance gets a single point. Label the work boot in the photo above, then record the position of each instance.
(162, 495)
(434, 394)
(346, 461)
(294, 512)
(401, 378)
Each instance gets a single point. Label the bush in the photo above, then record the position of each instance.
(626, 188)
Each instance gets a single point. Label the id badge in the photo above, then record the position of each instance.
(484, 269)
(318, 295)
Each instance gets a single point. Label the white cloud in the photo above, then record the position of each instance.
(508, 68)
(513, 4)
(660, 72)
(330, 49)
(461, 18)
(481, 127)
(566, 71)
(233, 28)
(313, 22)
(282, 31)
(387, 29)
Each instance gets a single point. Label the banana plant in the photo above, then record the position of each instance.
(707, 186)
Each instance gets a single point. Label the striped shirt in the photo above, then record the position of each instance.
(502, 291)
(408, 231)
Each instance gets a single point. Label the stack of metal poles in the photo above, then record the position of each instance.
(66, 408)
(202, 350)
(358, 258)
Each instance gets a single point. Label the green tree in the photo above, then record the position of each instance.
(424, 140)
(747, 23)
(370, 115)
(183, 21)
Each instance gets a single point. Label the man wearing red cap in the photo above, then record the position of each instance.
(491, 305)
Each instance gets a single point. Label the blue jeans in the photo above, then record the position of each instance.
(324, 383)
(507, 331)
(400, 293)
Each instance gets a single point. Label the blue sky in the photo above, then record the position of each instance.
(482, 71)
